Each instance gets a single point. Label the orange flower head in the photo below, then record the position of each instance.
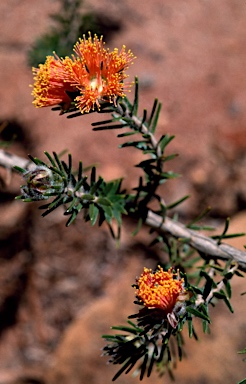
(50, 83)
(93, 75)
(160, 289)
(98, 73)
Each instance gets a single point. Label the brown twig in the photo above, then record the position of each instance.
(8, 160)
(220, 285)
(198, 241)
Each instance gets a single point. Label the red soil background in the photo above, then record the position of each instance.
(60, 288)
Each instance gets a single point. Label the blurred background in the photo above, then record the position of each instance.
(61, 288)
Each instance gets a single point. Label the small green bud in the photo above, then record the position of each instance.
(40, 183)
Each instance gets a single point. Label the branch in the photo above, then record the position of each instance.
(202, 243)
(144, 130)
(8, 160)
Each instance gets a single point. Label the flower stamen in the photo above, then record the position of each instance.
(160, 289)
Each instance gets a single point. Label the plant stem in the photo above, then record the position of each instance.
(198, 241)
(204, 244)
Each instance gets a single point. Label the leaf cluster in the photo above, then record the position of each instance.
(147, 349)
(100, 201)
(156, 343)
(125, 117)
(153, 341)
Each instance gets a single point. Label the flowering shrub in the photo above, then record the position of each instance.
(199, 268)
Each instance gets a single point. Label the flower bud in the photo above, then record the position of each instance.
(40, 183)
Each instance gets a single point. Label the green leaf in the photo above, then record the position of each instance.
(79, 184)
(103, 201)
(117, 214)
(124, 328)
(27, 200)
(143, 121)
(56, 170)
(139, 226)
(80, 171)
(93, 176)
(227, 222)
(170, 206)
(20, 197)
(71, 206)
(239, 274)
(221, 295)
(199, 217)
(50, 158)
(242, 381)
(93, 213)
(107, 213)
(180, 343)
(201, 227)
(197, 313)
(210, 283)
(104, 122)
(208, 278)
(123, 368)
(142, 145)
(127, 134)
(170, 157)
(228, 288)
(134, 110)
(162, 351)
(152, 360)
(58, 161)
(164, 141)
(19, 169)
(96, 186)
(88, 196)
(112, 126)
(36, 161)
(71, 219)
(196, 290)
(243, 351)
(135, 326)
(169, 175)
(191, 328)
(146, 163)
(205, 327)
(53, 205)
(229, 236)
(154, 116)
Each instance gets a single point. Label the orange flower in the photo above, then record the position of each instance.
(160, 289)
(93, 75)
(50, 87)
